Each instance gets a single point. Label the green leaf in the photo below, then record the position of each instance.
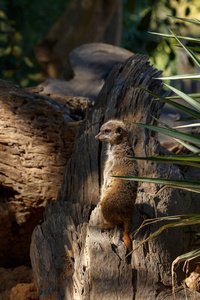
(181, 184)
(187, 160)
(185, 20)
(195, 103)
(35, 77)
(28, 62)
(173, 133)
(181, 107)
(184, 76)
(5, 51)
(175, 224)
(188, 146)
(2, 15)
(188, 125)
(195, 95)
(194, 49)
(196, 60)
(186, 217)
(185, 38)
(187, 256)
(184, 220)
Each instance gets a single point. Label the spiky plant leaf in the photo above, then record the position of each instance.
(185, 38)
(197, 22)
(191, 54)
(194, 95)
(183, 220)
(193, 161)
(195, 103)
(173, 133)
(188, 146)
(181, 107)
(191, 185)
(183, 76)
(188, 125)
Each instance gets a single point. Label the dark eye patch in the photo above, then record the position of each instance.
(107, 130)
(118, 130)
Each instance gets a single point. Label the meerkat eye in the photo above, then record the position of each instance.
(107, 130)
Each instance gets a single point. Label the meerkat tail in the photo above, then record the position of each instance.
(128, 242)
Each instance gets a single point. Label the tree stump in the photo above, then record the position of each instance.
(71, 257)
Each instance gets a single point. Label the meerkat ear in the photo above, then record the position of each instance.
(118, 130)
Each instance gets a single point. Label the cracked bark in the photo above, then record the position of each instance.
(36, 141)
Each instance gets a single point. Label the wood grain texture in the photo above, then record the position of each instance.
(36, 140)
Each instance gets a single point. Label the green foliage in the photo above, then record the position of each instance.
(15, 66)
(22, 26)
(140, 17)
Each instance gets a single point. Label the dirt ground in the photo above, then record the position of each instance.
(17, 284)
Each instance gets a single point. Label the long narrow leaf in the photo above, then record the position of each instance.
(190, 221)
(169, 182)
(188, 146)
(181, 107)
(194, 49)
(187, 256)
(185, 38)
(196, 60)
(173, 133)
(197, 22)
(184, 257)
(183, 76)
(188, 125)
(173, 159)
(188, 217)
(171, 225)
(194, 95)
(195, 103)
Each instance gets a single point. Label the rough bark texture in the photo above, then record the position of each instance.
(71, 257)
(36, 140)
(82, 22)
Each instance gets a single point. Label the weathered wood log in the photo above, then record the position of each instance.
(36, 140)
(71, 257)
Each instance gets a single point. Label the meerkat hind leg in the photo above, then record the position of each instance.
(106, 225)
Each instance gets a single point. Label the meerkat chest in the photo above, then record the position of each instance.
(108, 170)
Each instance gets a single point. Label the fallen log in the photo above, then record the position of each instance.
(36, 140)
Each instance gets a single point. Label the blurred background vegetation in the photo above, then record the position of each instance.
(24, 24)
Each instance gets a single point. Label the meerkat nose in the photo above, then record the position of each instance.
(97, 136)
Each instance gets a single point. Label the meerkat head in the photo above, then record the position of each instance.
(113, 132)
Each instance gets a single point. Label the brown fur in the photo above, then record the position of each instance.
(118, 195)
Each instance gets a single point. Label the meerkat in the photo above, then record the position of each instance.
(117, 195)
